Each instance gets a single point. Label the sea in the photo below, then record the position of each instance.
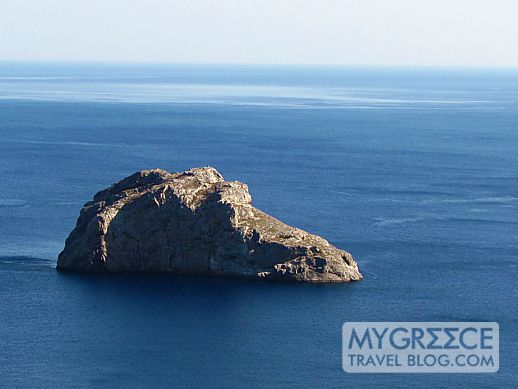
(412, 170)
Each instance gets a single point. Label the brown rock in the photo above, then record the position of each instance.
(195, 222)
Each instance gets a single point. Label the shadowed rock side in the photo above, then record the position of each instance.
(195, 222)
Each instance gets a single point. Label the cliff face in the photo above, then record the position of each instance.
(195, 222)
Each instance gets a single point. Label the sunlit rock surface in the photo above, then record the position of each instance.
(195, 222)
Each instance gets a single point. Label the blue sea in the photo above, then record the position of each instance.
(414, 171)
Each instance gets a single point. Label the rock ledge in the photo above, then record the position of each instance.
(195, 222)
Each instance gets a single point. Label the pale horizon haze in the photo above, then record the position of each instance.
(369, 32)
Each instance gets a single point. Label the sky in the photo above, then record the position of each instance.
(347, 32)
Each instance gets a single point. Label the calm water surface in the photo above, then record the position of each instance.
(412, 171)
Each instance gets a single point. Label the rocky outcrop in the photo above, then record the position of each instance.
(195, 222)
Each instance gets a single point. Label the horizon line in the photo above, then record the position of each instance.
(257, 64)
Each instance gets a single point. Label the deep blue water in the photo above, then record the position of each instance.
(413, 171)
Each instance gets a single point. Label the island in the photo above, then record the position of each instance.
(195, 222)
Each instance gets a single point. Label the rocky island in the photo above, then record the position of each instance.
(195, 222)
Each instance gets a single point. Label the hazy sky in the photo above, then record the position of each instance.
(374, 32)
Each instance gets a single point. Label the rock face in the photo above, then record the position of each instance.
(195, 222)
